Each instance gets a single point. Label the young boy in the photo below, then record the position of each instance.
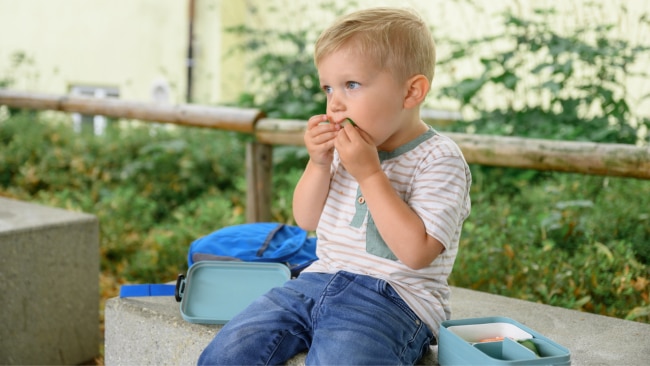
(387, 196)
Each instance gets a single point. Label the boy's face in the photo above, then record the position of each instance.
(357, 89)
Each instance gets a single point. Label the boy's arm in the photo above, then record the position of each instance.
(400, 227)
(310, 194)
(313, 186)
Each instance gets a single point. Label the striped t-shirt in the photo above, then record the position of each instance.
(430, 174)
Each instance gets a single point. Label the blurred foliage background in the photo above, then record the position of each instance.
(575, 241)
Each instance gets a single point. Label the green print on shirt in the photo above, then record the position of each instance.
(375, 244)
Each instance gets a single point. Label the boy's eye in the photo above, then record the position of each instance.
(327, 89)
(352, 85)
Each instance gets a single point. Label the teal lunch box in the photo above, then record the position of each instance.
(212, 292)
(496, 341)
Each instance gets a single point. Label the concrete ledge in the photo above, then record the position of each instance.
(49, 285)
(151, 331)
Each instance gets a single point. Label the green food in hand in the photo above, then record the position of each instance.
(352, 122)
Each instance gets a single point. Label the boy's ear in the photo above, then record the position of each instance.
(417, 88)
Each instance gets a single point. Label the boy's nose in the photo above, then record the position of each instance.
(335, 104)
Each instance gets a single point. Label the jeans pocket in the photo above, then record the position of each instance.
(420, 334)
(390, 293)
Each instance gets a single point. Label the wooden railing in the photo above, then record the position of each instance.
(567, 156)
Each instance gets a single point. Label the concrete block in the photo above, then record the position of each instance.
(151, 331)
(49, 285)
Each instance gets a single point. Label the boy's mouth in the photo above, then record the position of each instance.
(348, 120)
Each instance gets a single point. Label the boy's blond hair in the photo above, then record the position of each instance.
(396, 39)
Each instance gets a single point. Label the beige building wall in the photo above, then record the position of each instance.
(137, 47)
(217, 77)
(128, 45)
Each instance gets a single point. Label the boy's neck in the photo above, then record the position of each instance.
(410, 132)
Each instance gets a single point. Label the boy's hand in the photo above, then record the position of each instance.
(319, 140)
(358, 152)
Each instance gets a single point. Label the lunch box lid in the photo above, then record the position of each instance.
(213, 292)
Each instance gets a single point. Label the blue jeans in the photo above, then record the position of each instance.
(342, 319)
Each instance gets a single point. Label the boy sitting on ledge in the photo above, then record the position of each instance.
(387, 196)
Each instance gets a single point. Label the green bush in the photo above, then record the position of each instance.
(564, 86)
(137, 180)
(568, 241)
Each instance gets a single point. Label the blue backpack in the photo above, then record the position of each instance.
(257, 242)
(253, 242)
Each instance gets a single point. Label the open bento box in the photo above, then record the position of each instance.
(496, 341)
(213, 292)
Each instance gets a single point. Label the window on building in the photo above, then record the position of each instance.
(84, 123)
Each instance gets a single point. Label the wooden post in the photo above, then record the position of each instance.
(259, 164)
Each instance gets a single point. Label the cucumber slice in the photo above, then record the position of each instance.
(352, 122)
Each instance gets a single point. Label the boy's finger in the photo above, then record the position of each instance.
(365, 136)
(354, 132)
(316, 120)
(342, 137)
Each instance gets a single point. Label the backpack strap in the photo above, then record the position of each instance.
(267, 240)
(147, 290)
